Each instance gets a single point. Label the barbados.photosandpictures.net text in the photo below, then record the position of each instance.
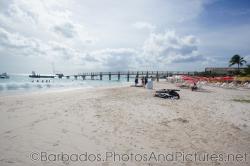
(138, 157)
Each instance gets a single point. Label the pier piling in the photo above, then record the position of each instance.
(157, 76)
(128, 77)
(92, 76)
(109, 75)
(101, 76)
(119, 75)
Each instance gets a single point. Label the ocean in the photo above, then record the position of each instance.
(23, 83)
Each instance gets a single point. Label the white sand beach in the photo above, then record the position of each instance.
(123, 120)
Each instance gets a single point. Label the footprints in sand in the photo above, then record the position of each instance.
(98, 116)
(181, 120)
(240, 127)
(56, 143)
(178, 120)
(7, 161)
(164, 123)
(38, 121)
(7, 132)
(64, 131)
(235, 127)
(11, 109)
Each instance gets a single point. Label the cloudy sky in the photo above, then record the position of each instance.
(108, 35)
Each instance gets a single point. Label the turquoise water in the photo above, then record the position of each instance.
(23, 83)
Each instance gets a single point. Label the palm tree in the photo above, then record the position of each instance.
(237, 59)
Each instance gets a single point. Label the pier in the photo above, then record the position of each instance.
(127, 74)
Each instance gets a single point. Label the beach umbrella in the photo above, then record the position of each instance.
(201, 78)
(218, 78)
(204, 79)
(228, 78)
(214, 79)
(187, 78)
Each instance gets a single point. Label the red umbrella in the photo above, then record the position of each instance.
(218, 79)
(187, 78)
(204, 79)
(228, 78)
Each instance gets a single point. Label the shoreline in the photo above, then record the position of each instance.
(122, 84)
(58, 90)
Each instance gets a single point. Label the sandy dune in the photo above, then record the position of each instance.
(123, 120)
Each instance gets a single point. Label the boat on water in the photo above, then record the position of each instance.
(59, 75)
(34, 75)
(4, 76)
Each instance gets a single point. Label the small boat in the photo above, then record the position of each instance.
(34, 75)
(59, 75)
(4, 76)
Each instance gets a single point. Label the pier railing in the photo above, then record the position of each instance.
(129, 74)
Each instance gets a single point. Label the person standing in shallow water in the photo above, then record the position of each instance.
(136, 80)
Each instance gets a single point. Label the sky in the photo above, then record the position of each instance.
(77, 36)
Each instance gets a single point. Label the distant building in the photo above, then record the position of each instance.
(222, 70)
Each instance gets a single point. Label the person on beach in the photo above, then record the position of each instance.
(150, 83)
(194, 87)
(136, 80)
(146, 80)
(143, 82)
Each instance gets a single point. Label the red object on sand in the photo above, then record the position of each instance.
(228, 78)
(189, 79)
(195, 79)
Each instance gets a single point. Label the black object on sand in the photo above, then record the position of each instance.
(168, 93)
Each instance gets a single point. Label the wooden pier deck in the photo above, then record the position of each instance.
(129, 74)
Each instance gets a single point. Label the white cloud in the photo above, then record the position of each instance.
(144, 25)
(159, 49)
(44, 20)
(247, 58)
(67, 30)
(168, 47)
(18, 44)
(106, 36)
(117, 59)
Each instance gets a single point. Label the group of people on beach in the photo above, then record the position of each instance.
(145, 82)
(41, 81)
